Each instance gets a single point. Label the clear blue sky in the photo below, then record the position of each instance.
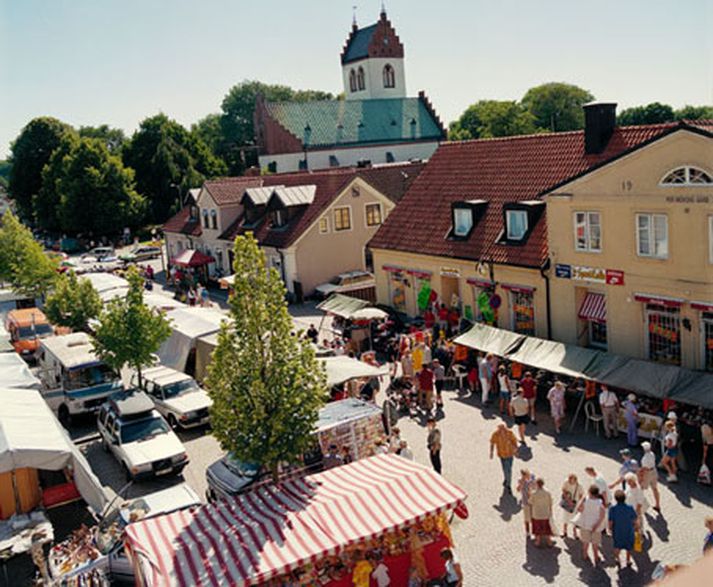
(118, 61)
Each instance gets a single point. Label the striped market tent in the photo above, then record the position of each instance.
(272, 530)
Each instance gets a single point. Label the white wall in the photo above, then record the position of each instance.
(347, 157)
(373, 70)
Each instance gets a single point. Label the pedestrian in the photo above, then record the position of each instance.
(404, 451)
(628, 465)
(442, 317)
(346, 455)
(520, 409)
(623, 523)
(557, 404)
(433, 443)
(572, 494)
(407, 366)
(439, 374)
(205, 297)
(707, 439)
(670, 444)
(631, 414)
(484, 376)
(708, 541)
(506, 444)
(541, 505)
(635, 497)
(591, 517)
(380, 447)
(505, 388)
(600, 482)
(425, 388)
(529, 392)
(609, 403)
(648, 476)
(381, 573)
(332, 458)
(312, 333)
(453, 577)
(525, 486)
(191, 297)
(395, 439)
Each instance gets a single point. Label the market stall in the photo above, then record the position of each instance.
(187, 325)
(343, 368)
(103, 282)
(14, 372)
(321, 529)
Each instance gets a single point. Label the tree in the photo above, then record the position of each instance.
(5, 167)
(86, 189)
(689, 112)
(23, 263)
(73, 302)
(653, 113)
(208, 130)
(557, 106)
(236, 121)
(113, 138)
(492, 118)
(168, 160)
(30, 152)
(265, 382)
(129, 332)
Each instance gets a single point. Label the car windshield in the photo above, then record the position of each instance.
(240, 468)
(89, 376)
(179, 388)
(336, 281)
(34, 331)
(143, 429)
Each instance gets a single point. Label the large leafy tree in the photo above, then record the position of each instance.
(23, 263)
(89, 190)
(168, 160)
(266, 384)
(113, 138)
(653, 113)
(557, 106)
(30, 152)
(208, 130)
(129, 332)
(73, 302)
(689, 112)
(492, 118)
(236, 122)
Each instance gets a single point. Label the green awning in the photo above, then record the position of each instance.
(566, 359)
(490, 340)
(342, 306)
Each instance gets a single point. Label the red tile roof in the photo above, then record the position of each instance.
(500, 171)
(183, 223)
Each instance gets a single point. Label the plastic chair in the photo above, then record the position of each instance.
(459, 373)
(591, 413)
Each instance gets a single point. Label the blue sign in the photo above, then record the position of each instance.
(563, 271)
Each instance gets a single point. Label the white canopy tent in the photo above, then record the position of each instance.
(103, 282)
(153, 299)
(187, 325)
(31, 436)
(14, 372)
(343, 368)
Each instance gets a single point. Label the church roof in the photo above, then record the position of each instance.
(358, 44)
(353, 122)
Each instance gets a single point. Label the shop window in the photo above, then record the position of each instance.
(598, 335)
(523, 312)
(484, 312)
(516, 221)
(687, 175)
(652, 235)
(373, 214)
(397, 290)
(219, 259)
(421, 291)
(587, 232)
(323, 225)
(663, 330)
(342, 218)
(707, 323)
(214, 219)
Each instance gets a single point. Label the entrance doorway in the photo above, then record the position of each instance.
(450, 290)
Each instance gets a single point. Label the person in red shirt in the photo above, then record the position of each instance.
(529, 392)
(442, 317)
(453, 320)
(425, 387)
(429, 319)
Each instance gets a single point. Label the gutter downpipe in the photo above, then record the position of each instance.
(548, 303)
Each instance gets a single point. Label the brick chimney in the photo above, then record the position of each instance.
(599, 124)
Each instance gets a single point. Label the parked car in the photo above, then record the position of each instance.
(26, 327)
(176, 396)
(346, 282)
(139, 437)
(99, 255)
(141, 253)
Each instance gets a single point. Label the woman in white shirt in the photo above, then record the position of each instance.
(592, 517)
(635, 497)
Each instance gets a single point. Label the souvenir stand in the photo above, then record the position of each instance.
(325, 529)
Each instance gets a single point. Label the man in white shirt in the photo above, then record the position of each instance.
(648, 477)
(610, 410)
(381, 575)
(601, 484)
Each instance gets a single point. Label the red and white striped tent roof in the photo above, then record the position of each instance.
(274, 529)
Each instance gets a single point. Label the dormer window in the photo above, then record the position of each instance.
(516, 221)
(687, 175)
(214, 219)
(278, 217)
(465, 214)
(194, 212)
(205, 218)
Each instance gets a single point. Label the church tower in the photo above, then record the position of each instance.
(373, 62)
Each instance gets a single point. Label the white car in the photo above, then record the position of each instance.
(346, 282)
(176, 395)
(99, 255)
(139, 437)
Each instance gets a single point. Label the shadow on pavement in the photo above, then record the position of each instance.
(508, 506)
(542, 561)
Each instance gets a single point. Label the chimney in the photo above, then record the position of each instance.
(599, 124)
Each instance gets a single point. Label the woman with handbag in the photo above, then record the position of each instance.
(592, 514)
(572, 493)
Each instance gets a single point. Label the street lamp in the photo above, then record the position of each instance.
(164, 247)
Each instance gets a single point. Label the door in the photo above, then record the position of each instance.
(299, 295)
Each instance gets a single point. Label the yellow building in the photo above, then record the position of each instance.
(631, 249)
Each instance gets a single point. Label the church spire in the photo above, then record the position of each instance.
(383, 10)
(354, 20)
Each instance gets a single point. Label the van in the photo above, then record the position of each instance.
(26, 327)
(74, 380)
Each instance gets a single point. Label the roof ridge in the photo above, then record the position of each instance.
(339, 101)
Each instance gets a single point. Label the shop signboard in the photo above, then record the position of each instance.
(450, 272)
(591, 274)
(615, 277)
(563, 271)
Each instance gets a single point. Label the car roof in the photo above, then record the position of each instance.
(132, 403)
(355, 273)
(27, 316)
(168, 500)
(162, 375)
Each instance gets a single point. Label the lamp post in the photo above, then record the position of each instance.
(164, 248)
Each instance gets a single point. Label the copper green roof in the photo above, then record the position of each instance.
(354, 122)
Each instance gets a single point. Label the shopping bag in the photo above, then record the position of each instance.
(704, 475)
(638, 542)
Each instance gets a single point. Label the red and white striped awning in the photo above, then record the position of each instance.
(274, 529)
(594, 308)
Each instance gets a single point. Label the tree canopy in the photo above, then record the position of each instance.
(168, 160)
(557, 106)
(30, 152)
(653, 113)
(113, 138)
(265, 382)
(73, 302)
(129, 332)
(492, 118)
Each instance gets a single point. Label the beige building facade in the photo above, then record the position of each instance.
(631, 251)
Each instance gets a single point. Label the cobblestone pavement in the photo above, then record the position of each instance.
(491, 543)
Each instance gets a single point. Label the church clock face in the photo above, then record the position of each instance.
(386, 41)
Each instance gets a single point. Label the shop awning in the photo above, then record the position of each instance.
(594, 308)
(565, 359)
(192, 258)
(342, 306)
(490, 340)
(103, 282)
(269, 531)
(187, 324)
(343, 368)
(14, 372)
(657, 300)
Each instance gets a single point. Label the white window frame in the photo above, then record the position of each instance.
(351, 223)
(587, 224)
(590, 339)
(366, 214)
(282, 214)
(687, 180)
(462, 210)
(514, 297)
(508, 223)
(324, 219)
(651, 254)
(671, 317)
